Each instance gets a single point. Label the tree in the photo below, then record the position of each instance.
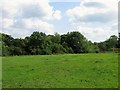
(111, 42)
(108, 44)
(76, 40)
(37, 42)
(6, 43)
(7, 39)
(5, 50)
(57, 49)
(64, 43)
(118, 44)
(19, 47)
(56, 38)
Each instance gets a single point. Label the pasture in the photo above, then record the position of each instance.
(61, 71)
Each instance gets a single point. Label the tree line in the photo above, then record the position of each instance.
(38, 43)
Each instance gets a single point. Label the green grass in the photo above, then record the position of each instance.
(0, 73)
(61, 71)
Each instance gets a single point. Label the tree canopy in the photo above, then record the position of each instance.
(38, 43)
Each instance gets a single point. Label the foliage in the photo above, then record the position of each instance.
(110, 43)
(38, 43)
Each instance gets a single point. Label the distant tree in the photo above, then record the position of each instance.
(1, 44)
(76, 40)
(37, 42)
(118, 44)
(96, 48)
(56, 38)
(108, 44)
(6, 43)
(111, 42)
(19, 46)
(7, 39)
(64, 43)
(57, 49)
(5, 50)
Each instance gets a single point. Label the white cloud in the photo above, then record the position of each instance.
(30, 9)
(7, 22)
(83, 11)
(40, 25)
(57, 14)
(23, 16)
(26, 26)
(96, 19)
(17, 33)
(96, 34)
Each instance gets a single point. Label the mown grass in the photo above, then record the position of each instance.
(61, 71)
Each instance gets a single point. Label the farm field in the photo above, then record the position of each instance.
(61, 71)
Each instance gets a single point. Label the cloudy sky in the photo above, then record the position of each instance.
(97, 20)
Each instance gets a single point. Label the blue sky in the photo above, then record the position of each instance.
(63, 26)
(95, 19)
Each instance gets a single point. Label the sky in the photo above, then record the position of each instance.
(97, 20)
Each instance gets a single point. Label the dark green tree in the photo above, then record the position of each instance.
(76, 40)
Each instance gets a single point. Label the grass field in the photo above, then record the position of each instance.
(61, 71)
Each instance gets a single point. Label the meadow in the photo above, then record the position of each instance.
(61, 71)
